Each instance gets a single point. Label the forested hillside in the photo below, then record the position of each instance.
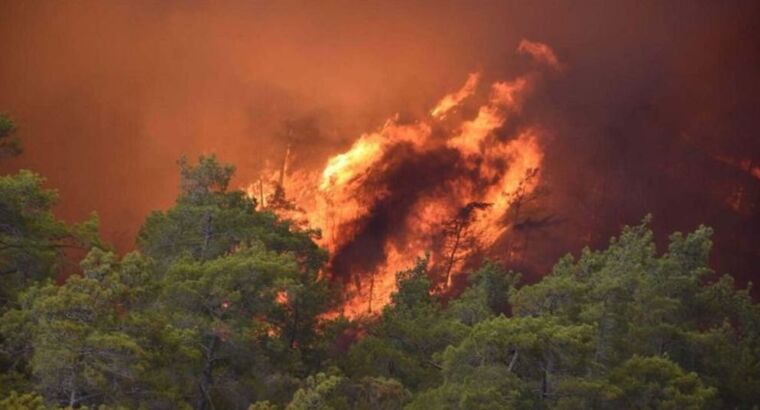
(222, 306)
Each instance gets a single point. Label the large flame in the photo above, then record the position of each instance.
(451, 101)
(372, 199)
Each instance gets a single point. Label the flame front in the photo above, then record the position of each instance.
(443, 186)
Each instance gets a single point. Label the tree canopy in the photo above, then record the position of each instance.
(223, 306)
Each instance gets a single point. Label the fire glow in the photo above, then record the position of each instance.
(443, 186)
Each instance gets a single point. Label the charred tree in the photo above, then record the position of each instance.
(459, 242)
(519, 199)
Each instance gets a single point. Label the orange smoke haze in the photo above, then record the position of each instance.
(541, 52)
(535, 127)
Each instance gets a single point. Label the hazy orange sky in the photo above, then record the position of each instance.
(108, 94)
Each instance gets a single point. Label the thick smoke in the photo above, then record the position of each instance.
(408, 175)
(655, 108)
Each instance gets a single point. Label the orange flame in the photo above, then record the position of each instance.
(498, 167)
(490, 117)
(744, 165)
(451, 101)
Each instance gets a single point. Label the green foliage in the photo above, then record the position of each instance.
(413, 287)
(664, 306)
(404, 341)
(208, 221)
(317, 394)
(489, 388)
(32, 243)
(32, 239)
(333, 391)
(262, 405)
(658, 383)
(82, 352)
(28, 401)
(226, 317)
(618, 328)
(487, 295)
(222, 306)
(9, 144)
(239, 294)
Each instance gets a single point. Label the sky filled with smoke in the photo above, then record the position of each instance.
(655, 109)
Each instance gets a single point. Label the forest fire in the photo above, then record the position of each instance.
(471, 205)
(449, 186)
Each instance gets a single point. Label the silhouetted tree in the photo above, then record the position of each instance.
(459, 244)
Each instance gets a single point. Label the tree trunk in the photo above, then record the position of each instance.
(206, 235)
(207, 377)
(371, 290)
(544, 384)
(73, 400)
(261, 203)
(294, 332)
(454, 250)
(513, 361)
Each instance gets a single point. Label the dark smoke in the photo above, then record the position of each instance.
(407, 176)
(109, 94)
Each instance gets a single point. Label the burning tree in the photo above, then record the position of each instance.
(275, 198)
(459, 244)
(524, 194)
(374, 200)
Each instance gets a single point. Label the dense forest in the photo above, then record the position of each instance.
(222, 306)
